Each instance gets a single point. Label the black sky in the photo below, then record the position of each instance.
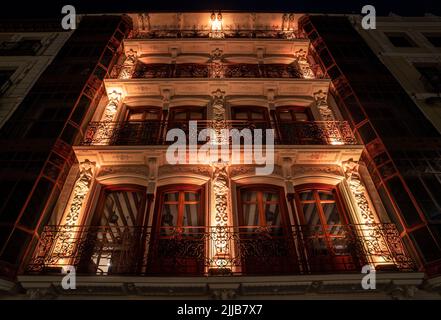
(52, 8)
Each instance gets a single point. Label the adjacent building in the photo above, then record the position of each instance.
(111, 202)
(26, 49)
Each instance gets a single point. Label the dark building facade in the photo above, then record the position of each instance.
(37, 140)
(403, 149)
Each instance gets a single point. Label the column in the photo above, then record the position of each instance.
(381, 244)
(129, 65)
(303, 64)
(74, 217)
(330, 128)
(221, 235)
(100, 133)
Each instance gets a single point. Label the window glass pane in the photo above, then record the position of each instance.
(326, 195)
(258, 115)
(135, 116)
(308, 195)
(241, 116)
(272, 215)
(301, 116)
(169, 216)
(152, 115)
(171, 196)
(121, 208)
(270, 196)
(251, 215)
(196, 115)
(285, 115)
(191, 217)
(331, 213)
(311, 214)
(191, 196)
(179, 115)
(249, 196)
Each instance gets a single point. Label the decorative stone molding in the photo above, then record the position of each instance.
(358, 190)
(325, 111)
(129, 64)
(73, 215)
(331, 169)
(221, 193)
(111, 170)
(153, 175)
(224, 294)
(238, 170)
(216, 69)
(303, 64)
(166, 94)
(79, 193)
(172, 169)
(112, 106)
(219, 117)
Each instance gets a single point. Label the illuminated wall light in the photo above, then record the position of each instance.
(216, 26)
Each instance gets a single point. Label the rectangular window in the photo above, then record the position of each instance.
(5, 80)
(400, 40)
(434, 39)
(430, 75)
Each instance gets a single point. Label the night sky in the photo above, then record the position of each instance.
(52, 8)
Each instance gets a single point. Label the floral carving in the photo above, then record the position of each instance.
(128, 65)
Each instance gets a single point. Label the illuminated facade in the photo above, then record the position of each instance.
(132, 224)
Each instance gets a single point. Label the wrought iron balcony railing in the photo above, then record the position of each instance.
(153, 132)
(195, 33)
(214, 70)
(196, 251)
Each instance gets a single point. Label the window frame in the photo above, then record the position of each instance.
(260, 189)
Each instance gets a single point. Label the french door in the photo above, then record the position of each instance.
(265, 241)
(113, 244)
(178, 238)
(294, 125)
(180, 117)
(325, 231)
(142, 126)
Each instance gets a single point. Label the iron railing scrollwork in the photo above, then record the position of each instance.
(153, 132)
(252, 250)
(209, 70)
(228, 33)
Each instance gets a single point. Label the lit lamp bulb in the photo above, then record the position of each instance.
(216, 26)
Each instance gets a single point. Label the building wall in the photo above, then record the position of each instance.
(401, 61)
(179, 60)
(37, 139)
(27, 67)
(402, 145)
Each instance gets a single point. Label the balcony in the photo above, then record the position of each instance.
(154, 132)
(234, 34)
(224, 70)
(202, 251)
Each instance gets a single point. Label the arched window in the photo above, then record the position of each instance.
(264, 236)
(177, 243)
(179, 118)
(250, 113)
(294, 113)
(109, 245)
(324, 228)
(141, 127)
(187, 113)
(143, 113)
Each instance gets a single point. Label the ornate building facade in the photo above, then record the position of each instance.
(135, 225)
